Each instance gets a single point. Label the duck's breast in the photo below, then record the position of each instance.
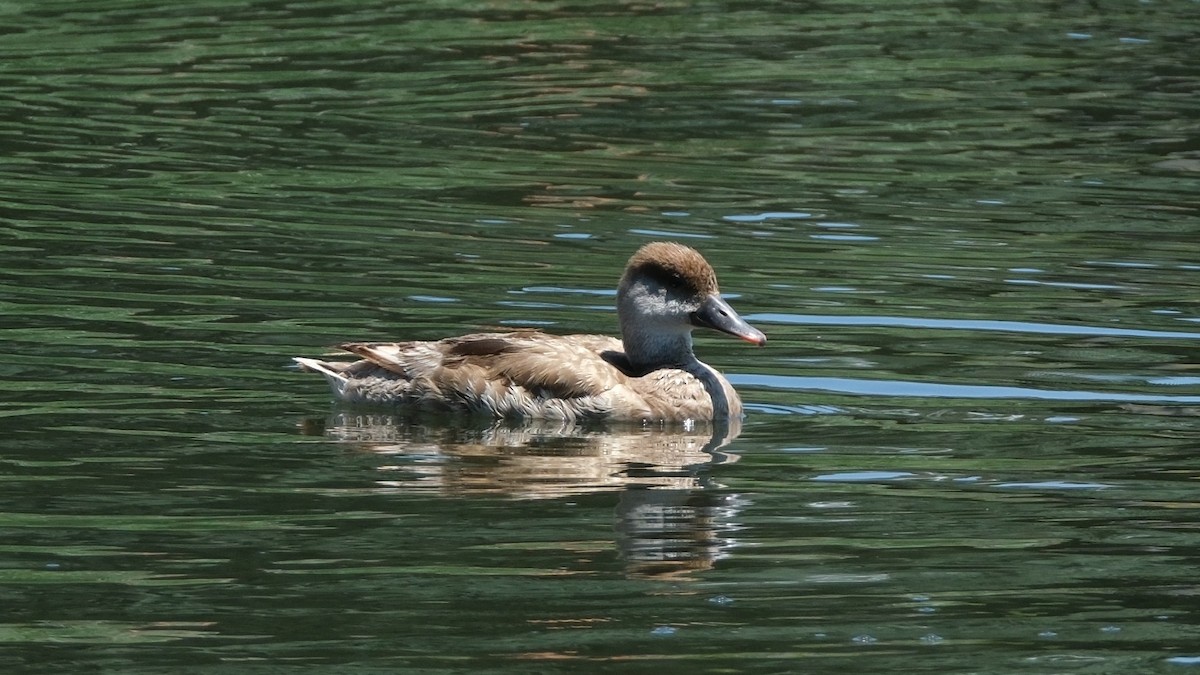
(671, 395)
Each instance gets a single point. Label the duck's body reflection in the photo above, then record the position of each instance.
(671, 518)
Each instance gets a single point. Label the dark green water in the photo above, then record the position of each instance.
(970, 231)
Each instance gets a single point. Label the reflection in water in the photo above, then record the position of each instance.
(663, 533)
(669, 519)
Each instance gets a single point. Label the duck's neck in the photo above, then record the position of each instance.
(652, 349)
(648, 351)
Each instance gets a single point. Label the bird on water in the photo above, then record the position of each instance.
(650, 374)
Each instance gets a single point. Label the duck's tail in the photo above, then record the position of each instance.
(335, 379)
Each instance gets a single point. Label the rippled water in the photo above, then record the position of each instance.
(969, 230)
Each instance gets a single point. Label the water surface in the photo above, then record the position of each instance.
(968, 229)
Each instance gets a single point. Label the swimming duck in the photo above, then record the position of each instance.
(650, 374)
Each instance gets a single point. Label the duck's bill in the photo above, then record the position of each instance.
(716, 314)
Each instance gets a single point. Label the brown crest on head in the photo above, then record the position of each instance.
(673, 266)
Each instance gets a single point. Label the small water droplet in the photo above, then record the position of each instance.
(664, 630)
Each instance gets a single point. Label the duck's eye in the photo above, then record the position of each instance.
(675, 280)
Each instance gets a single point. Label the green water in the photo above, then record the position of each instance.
(970, 231)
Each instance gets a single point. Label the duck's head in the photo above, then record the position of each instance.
(667, 290)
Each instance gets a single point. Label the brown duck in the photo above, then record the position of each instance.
(650, 374)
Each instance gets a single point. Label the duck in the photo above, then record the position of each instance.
(650, 374)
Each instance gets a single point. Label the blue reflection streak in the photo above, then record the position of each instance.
(841, 385)
(965, 324)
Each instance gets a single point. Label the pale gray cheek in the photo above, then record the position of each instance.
(681, 307)
(658, 303)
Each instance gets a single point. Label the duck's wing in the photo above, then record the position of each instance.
(522, 373)
(406, 359)
(521, 357)
(546, 366)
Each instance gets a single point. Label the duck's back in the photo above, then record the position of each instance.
(518, 374)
